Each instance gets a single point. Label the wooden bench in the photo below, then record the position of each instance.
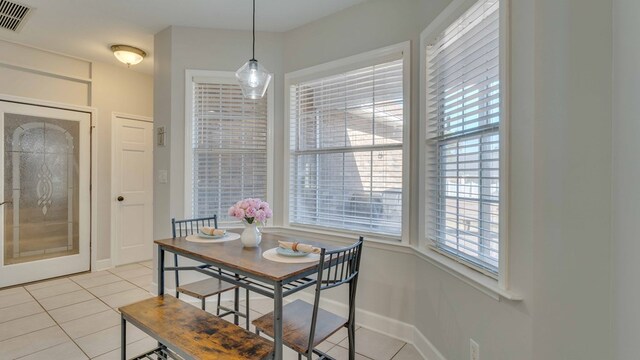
(191, 332)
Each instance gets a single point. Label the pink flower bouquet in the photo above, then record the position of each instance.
(251, 210)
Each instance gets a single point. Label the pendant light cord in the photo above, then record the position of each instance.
(253, 55)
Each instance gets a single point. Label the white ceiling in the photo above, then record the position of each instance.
(86, 28)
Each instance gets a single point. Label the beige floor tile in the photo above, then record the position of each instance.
(261, 305)
(90, 324)
(134, 273)
(103, 341)
(125, 268)
(77, 311)
(59, 301)
(20, 310)
(338, 336)
(14, 298)
(47, 283)
(89, 275)
(97, 280)
(125, 297)
(143, 281)
(66, 351)
(374, 345)
(32, 342)
(12, 290)
(58, 289)
(112, 288)
(25, 325)
(133, 349)
(340, 353)
(408, 352)
(148, 264)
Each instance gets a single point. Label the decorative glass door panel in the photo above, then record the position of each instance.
(45, 189)
(41, 177)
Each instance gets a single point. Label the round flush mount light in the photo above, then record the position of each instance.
(128, 54)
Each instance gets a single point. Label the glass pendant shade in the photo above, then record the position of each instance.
(254, 79)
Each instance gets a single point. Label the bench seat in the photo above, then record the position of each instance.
(193, 333)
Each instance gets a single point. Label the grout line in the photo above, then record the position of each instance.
(25, 355)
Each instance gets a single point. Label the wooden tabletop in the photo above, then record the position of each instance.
(232, 255)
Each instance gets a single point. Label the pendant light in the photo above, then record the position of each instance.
(254, 78)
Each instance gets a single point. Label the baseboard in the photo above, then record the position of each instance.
(101, 265)
(425, 347)
(382, 324)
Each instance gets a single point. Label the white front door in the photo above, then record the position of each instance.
(45, 216)
(132, 189)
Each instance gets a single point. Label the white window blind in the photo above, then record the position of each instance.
(463, 140)
(346, 134)
(229, 147)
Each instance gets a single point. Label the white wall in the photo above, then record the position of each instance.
(626, 177)
(43, 75)
(572, 180)
(122, 90)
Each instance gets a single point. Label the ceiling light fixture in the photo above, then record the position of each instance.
(254, 78)
(128, 54)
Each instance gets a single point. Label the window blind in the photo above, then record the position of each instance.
(463, 141)
(346, 133)
(229, 145)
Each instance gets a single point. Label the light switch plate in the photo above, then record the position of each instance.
(163, 176)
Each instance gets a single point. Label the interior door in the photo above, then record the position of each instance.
(46, 204)
(133, 189)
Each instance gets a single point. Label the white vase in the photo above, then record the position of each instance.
(251, 235)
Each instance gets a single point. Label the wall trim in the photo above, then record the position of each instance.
(100, 265)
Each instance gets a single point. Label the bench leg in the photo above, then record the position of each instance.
(247, 308)
(236, 305)
(123, 338)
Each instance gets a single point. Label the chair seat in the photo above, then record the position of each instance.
(194, 333)
(205, 288)
(296, 325)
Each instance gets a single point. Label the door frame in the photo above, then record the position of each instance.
(93, 181)
(114, 140)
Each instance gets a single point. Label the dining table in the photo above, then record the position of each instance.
(246, 267)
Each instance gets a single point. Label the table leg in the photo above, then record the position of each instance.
(160, 270)
(277, 320)
(123, 338)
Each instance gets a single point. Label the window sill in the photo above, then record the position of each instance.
(475, 279)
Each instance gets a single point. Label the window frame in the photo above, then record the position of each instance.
(224, 77)
(427, 246)
(336, 67)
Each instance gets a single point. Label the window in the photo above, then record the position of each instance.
(346, 144)
(463, 137)
(226, 145)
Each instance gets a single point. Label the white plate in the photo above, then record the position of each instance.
(206, 236)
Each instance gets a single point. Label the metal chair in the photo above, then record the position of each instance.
(205, 288)
(304, 325)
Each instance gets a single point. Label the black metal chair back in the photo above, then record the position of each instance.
(191, 226)
(187, 227)
(337, 267)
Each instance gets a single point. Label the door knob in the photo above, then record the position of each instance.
(120, 198)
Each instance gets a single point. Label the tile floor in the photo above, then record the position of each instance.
(76, 317)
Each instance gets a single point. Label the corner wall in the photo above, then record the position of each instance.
(626, 177)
